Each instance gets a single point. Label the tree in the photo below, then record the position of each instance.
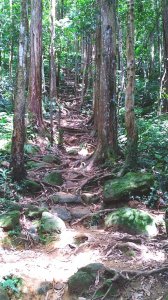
(35, 72)
(53, 92)
(131, 127)
(164, 103)
(18, 138)
(107, 147)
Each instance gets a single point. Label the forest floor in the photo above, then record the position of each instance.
(45, 269)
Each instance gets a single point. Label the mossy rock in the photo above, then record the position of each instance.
(10, 220)
(54, 178)
(80, 282)
(132, 221)
(132, 183)
(31, 186)
(51, 159)
(31, 149)
(33, 211)
(51, 224)
(83, 278)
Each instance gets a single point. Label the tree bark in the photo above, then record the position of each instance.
(18, 138)
(107, 147)
(53, 91)
(131, 127)
(164, 102)
(35, 72)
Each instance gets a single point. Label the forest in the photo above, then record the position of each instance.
(83, 149)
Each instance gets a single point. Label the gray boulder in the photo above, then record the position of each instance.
(51, 223)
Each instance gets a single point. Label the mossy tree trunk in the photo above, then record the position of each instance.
(107, 146)
(131, 127)
(18, 138)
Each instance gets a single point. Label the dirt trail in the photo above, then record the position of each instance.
(56, 262)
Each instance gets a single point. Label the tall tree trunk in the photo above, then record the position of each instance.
(18, 138)
(107, 147)
(53, 92)
(35, 72)
(11, 39)
(132, 133)
(96, 85)
(164, 104)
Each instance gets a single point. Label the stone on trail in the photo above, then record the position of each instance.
(62, 213)
(132, 183)
(51, 224)
(49, 158)
(90, 198)
(62, 198)
(132, 221)
(79, 212)
(54, 178)
(9, 220)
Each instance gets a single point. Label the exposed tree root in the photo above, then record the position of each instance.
(99, 212)
(97, 177)
(127, 276)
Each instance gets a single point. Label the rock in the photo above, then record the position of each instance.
(79, 212)
(3, 294)
(61, 197)
(132, 183)
(44, 288)
(31, 186)
(10, 220)
(83, 279)
(62, 213)
(89, 198)
(33, 211)
(51, 159)
(132, 221)
(54, 178)
(51, 223)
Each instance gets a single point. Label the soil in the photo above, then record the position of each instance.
(45, 269)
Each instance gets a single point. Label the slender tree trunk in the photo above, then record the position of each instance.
(35, 72)
(96, 86)
(53, 92)
(12, 39)
(18, 138)
(132, 133)
(107, 147)
(164, 102)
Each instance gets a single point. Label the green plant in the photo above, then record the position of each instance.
(12, 283)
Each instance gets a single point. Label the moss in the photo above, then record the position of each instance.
(80, 282)
(10, 220)
(54, 178)
(51, 159)
(119, 189)
(133, 221)
(31, 186)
